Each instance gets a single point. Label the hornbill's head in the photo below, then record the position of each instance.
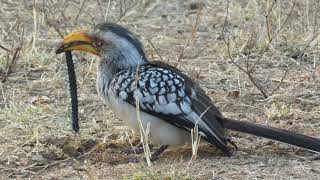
(106, 38)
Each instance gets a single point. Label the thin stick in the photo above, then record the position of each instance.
(80, 11)
(11, 64)
(4, 48)
(267, 15)
(154, 47)
(101, 11)
(191, 37)
(35, 24)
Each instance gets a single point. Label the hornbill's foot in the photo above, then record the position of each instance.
(134, 160)
(231, 142)
(155, 155)
(138, 149)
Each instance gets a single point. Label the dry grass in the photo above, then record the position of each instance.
(36, 140)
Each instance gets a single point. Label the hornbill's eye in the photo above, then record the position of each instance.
(98, 43)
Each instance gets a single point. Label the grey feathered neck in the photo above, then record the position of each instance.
(126, 51)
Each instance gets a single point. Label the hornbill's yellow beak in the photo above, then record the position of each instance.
(79, 40)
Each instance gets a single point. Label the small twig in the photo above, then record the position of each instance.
(227, 42)
(4, 48)
(315, 27)
(80, 11)
(55, 27)
(269, 28)
(154, 47)
(51, 22)
(107, 11)
(10, 65)
(191, 36)
(23, 169)
(121, 14)
(35, 25)
(258, 85)
(295, 82)
(11, 62)
(249, 52)
(124, 8)
(53, 164)
(101, 11)
(307, 45)
(280, 82)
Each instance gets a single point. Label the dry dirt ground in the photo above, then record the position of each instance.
(36, 139)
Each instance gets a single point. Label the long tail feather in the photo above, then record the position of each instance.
(281, 135)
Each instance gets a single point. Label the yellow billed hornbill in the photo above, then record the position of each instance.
(169, 100)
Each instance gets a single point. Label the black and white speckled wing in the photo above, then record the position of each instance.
(165, 92)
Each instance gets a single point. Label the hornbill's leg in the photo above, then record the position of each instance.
(138, 149)
(155, 155)
(231, 142)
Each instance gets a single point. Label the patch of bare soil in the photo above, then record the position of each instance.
(261, 49)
